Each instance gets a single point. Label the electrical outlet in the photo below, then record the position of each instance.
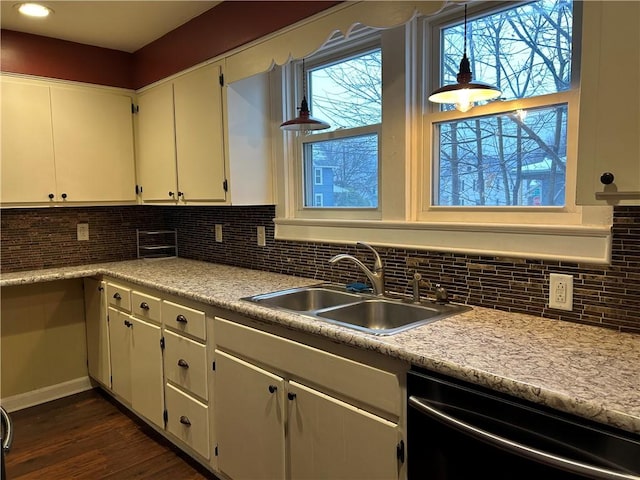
(561, 291)
(262, 236)
(218, 232)
(83, 231)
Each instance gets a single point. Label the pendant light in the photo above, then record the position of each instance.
(465, 93)
(304, 122)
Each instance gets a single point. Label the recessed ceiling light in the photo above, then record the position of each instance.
(34, 10)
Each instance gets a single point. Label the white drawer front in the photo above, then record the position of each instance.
(185, 363)
(145, 306)
(188, 420)
(119, 296)
(184, 319)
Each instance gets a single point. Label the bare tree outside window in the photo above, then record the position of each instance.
(347, 93)
(516, 158)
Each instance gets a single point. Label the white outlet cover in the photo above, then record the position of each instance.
(561, 288)
(218, 232)
(83, 231)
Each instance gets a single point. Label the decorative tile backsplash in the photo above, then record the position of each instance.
(603, 295)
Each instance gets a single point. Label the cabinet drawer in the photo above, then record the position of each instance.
(119, 296)
(188, 420)
(184, 319)
(145, 306)
(185, 363)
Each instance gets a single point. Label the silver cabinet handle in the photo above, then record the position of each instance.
(8, 430)
(541, 456)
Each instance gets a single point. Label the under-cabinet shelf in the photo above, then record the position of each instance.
(157, 244)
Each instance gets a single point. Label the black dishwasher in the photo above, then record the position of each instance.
(457, 430)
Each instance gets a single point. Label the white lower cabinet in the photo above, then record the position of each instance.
(333, 439)
(250, 419)
(278, 417)
(136, 364)
(246, 403)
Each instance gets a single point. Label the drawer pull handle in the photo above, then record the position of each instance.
(171, 194)
(51, 195)
(144, 306)
(183, 363)
(185, 421)
(272, 389)
(117, 296)
(291, 396)
(128, 324)
(181, 319)
(607, 178)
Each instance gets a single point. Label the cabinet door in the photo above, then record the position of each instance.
(249, 420)
(146, 370)
(332, 439)
(199, 137)
(28, 173)
(609, 112)
(156, 144)
(93, 132)
(98, 357)
(120, 342)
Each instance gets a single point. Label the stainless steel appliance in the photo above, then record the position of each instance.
(458, 430)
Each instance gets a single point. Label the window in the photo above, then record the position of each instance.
(516, 155)
(342, 163)
(318, 200)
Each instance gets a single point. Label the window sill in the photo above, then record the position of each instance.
(573, 243)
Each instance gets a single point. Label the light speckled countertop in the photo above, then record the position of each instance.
(589, 371)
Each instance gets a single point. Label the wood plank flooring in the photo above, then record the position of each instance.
(90, 436)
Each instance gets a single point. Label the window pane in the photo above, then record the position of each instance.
(348, 94)
(515, 158)
(349, 172)
(525, 51)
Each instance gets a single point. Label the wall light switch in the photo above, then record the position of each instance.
(561, 291)
(218, 232)
(83, 231)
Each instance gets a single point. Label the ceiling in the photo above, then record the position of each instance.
(119, 25)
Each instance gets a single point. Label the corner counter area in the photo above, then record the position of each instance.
(587, 371)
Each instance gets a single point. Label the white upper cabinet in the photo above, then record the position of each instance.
(609, 138)
(156, 151)
(200, 142)
(65, 143)
(199, 138)
(93, 145)
(28, 167)
(180, 139)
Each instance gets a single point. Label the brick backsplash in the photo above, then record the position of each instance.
(36, 238)
(607, 296)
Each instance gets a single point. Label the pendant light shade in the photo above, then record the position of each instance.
(304, 122)
(466, 92)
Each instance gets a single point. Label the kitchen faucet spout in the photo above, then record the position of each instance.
(376, 277)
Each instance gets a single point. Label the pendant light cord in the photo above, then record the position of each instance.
(465, 29)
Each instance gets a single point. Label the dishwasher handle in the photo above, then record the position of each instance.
(423, 406)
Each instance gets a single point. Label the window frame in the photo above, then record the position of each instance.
(360, 41)
(570, 213)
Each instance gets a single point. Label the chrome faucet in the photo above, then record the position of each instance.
(376, 277)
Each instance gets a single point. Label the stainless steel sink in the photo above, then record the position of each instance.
(307, 299)
(368, 313)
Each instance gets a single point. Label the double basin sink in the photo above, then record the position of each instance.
(368, 313)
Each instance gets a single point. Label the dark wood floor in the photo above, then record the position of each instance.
(89, 436)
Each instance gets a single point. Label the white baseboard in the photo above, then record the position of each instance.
(46, 394)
